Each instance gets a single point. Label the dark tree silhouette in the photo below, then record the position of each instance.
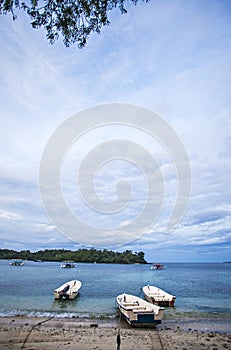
(74, 20)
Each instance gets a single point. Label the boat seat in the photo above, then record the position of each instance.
(129, 304)
(146, 311)
(139, 308)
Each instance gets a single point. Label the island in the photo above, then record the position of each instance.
(81, 255)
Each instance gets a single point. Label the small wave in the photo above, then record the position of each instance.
(6, 313)
(34, 313)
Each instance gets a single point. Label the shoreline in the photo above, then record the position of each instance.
(23, 332)
(220, 323)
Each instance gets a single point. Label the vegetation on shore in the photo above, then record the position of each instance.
(80, 255)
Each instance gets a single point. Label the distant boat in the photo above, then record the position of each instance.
(17, 263)
(67, 265)
(139, 312)
(68, 290)
(158, 296)
(157, 266)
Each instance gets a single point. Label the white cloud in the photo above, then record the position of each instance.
(9, 215)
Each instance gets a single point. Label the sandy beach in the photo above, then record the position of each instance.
(41, 333)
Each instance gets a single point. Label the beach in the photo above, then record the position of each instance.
(22, 332)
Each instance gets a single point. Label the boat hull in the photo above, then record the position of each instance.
(161, 302)
(138, 312)
(17, 263)
(68, 291)
(58, 296)
(158, 297)
(67, 266)
(144, 320)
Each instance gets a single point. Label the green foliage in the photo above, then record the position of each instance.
(81, 255)
(75, 20)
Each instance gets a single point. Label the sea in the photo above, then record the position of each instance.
(203, 291)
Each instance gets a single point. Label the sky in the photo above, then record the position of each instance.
(172, 58)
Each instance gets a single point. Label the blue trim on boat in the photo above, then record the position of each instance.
(144, 320)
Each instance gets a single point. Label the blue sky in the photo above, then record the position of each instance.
(171, 57)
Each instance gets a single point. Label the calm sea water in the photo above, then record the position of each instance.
(203, 290)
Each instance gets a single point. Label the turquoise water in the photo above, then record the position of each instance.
(202, 289)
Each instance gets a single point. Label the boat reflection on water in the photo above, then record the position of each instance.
(65, 304)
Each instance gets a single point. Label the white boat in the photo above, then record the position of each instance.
(139, 312)
(68, 290)
(67, 265)
(158, 296)
(17, 263)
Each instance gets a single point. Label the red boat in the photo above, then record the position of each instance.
(157, 266)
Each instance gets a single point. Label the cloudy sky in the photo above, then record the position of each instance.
(172, 58)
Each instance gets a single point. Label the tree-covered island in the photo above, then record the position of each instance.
(80, 255)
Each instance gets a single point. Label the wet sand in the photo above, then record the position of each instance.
(41, 333)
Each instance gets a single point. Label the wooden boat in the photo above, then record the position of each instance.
(68, 290)
(157, 266)
(67, 265)
(139, 312)
(158, 296)
(17, 263)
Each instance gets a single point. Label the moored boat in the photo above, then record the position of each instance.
(158, 296)
(17, 263)
(68, 290)
(139, 312)
(67, 265)
(157, 266)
